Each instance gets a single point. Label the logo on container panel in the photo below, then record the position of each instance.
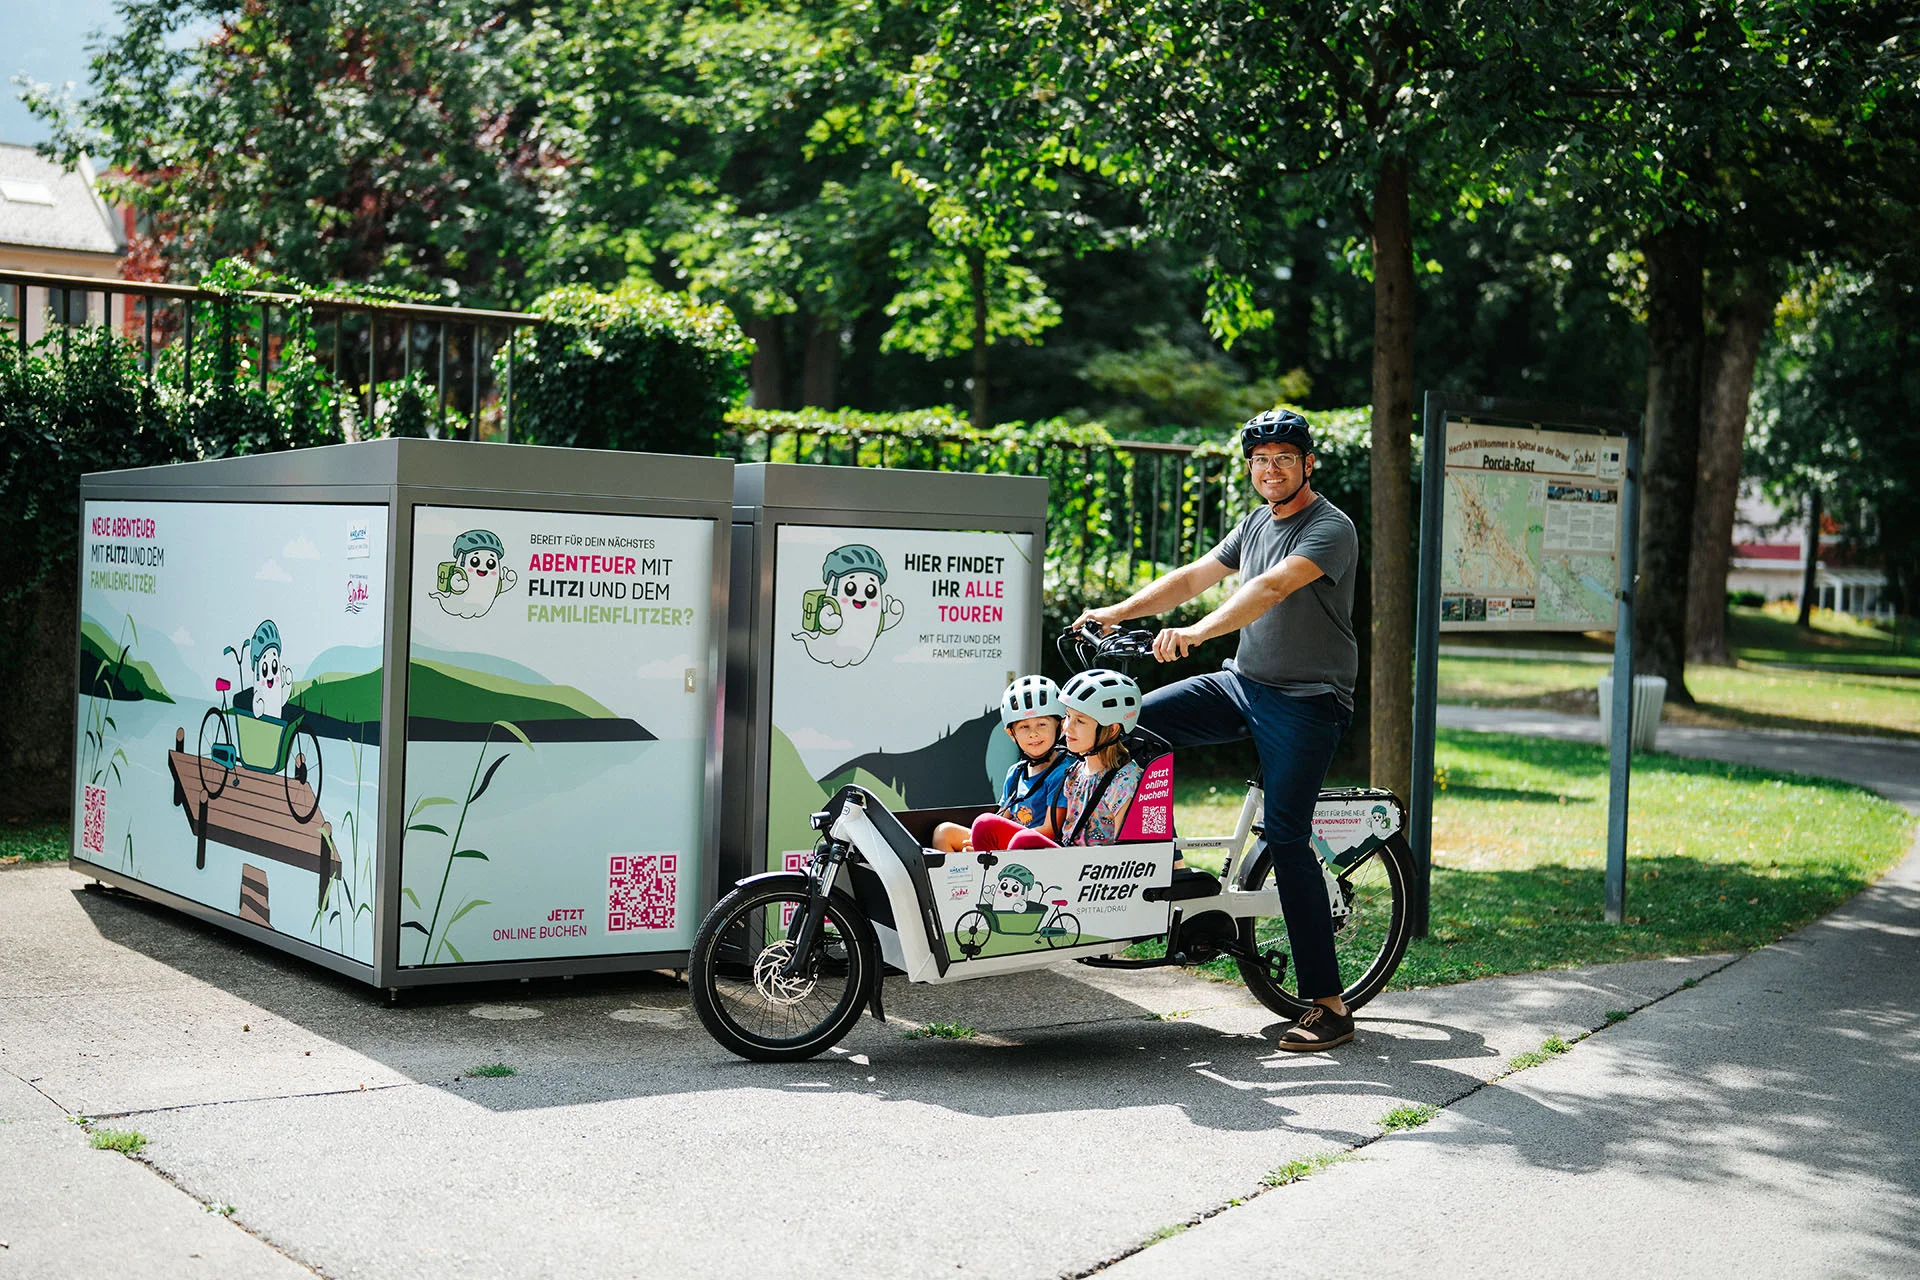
(359, 540)
(359, 591)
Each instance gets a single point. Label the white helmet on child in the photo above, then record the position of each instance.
(1027, 697)
(1106, 697)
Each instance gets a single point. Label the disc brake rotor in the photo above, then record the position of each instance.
(767, 979)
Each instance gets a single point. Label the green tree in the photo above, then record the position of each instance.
(1834, 414)
(1226, 122)
(1720, 134)
(322, 139)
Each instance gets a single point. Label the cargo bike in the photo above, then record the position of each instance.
(786, 962)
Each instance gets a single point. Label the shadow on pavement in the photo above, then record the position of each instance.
(1047, 1041)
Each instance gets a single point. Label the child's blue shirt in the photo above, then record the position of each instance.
(1030, 801)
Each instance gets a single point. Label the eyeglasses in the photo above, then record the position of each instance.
(1275, 461)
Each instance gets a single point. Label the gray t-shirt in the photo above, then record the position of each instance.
(1304, 645)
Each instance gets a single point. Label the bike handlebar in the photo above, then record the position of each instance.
(1085, 646)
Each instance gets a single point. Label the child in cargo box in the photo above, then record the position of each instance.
(1102, 707)
(1030, 712)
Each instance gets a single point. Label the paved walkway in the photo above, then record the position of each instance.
(1759, 1121)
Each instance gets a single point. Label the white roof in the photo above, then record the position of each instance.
(46, 207)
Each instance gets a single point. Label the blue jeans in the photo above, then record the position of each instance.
(1296, 738)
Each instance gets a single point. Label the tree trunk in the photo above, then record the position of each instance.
(1675, 258)
(1390, 715)
(1743, 311)
(977, 283)
(768, 372)
(1809, 575)
(820, 367)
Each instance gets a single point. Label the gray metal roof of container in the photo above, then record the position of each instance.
(44, 206)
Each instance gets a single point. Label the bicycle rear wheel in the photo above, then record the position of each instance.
(1369, 940)
(216, 753)
(740, 992)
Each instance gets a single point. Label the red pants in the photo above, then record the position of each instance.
(996, 831)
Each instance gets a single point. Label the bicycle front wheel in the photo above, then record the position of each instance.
(752, 999)
(1369, 940)
(304, 775)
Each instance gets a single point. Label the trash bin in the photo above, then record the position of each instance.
(1649, 694)
(876, 617)
(419, 711)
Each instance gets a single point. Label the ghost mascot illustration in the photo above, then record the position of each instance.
(842, 622)
(1013, 890)
(270, 675)
(476, 576)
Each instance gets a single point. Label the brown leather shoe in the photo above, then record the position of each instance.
(1317, 1028)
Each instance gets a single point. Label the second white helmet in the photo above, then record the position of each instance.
(1106, 697)
(1030, 696)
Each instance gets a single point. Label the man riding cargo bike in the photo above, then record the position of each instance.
(785, 963)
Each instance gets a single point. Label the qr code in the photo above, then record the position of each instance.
(641, 888)
(1153, 821)
(793, 860)
(93, 821)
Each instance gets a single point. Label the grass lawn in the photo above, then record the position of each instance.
(1726, 697)
(1768, 634)
(37, 841)
(1722, 857)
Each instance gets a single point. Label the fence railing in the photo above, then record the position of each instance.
(1119, 512)
(364, 344)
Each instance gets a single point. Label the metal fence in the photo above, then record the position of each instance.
(366, 346)
(1119, 512)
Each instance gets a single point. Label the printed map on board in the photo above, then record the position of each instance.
(1577, 589)
(1493, 531)
(1530, 528)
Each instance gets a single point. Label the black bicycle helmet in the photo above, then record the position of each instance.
(1275, 426)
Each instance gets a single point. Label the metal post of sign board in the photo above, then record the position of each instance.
(1558, 417)
(1621, 748)
(1426, 655)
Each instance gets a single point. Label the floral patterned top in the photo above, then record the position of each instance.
(1104, 826)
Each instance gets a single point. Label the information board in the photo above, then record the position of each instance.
(891, 650)
(1531, 538)
(557, 722)
(229, 708)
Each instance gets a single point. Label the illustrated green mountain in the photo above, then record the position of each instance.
(449, 701)
(104, 675)
(947, 771)
(882, 791)
(443, 691)
(792, 798)
(350, 698)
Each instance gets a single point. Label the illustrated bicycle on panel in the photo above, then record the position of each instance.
(257, 740)
(784, 964)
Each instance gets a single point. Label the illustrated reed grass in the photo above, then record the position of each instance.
(476, 787)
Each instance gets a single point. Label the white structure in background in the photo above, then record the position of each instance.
(1769, 556)
(53, 222)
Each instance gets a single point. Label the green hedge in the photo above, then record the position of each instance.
(611, 371)
(636, 368)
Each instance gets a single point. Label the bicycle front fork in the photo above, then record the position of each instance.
(826, 867)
